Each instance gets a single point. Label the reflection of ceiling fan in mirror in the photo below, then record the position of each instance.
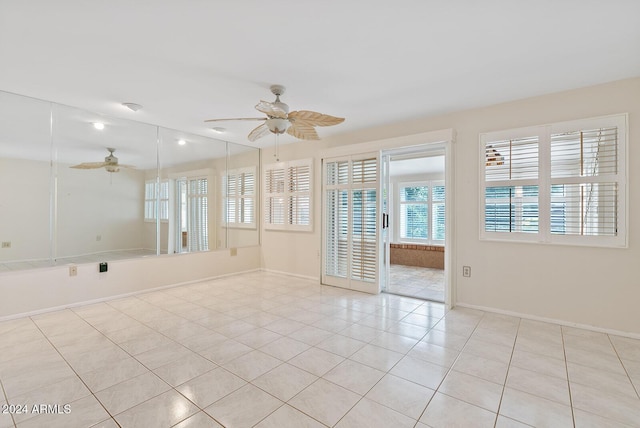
(301, 124)
(110, 163)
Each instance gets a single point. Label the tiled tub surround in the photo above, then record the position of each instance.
(268, 350)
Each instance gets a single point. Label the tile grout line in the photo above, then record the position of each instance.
(6, 400)
(637, 389)
(566, 365)
(506, 376)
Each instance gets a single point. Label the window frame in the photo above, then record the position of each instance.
(286, 195)
(545, 183)
(430, 203)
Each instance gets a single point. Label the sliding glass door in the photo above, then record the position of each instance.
(350, 204)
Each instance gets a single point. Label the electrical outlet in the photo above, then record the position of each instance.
(98, 237)
(6, 244)
(466, 271)
(73, 270)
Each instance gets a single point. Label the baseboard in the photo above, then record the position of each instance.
(120, 296)
(551, 320)
(312, 278)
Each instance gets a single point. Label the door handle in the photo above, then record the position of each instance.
(385, 220)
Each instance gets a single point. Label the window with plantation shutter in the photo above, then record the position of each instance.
(560, 183)
(239, 190)
(156, 200)
(422, 212)
(287, 195)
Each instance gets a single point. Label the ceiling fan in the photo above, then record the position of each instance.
(300, 124)
(110, 163)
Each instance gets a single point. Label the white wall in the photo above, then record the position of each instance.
(98, 211)
(36, 290)
(89, 203)
(588, 286)
(24, 209)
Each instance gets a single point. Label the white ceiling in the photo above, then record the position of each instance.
(372, 62)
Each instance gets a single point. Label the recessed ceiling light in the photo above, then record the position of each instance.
(219, 130)
(182, 142)
(98, 125)
(132, 106)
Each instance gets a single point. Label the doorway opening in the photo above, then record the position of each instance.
(413, 238)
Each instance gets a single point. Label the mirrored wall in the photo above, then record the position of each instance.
(79, 187)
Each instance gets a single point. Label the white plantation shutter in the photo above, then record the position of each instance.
(337, 226)
(274, 207)
(164, 200)
(287, 195)
(337, 218)
(584, 167)
(239, 195)
(247, 196)
(350, 227)
(560, 183)
(150, 212)
(511, 165)
(363, 218)
(156, 200)
(299, 198)
(230, 190)
(197, 212)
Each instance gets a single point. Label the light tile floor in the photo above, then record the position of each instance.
(415, 281)
(267, 350)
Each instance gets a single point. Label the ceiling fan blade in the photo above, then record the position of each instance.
(303, 130)
(119, 165)
(271, 110)
(258, 132)
(89, 165)
(314, 118)
(236, 118)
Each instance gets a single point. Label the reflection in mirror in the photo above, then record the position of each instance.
(25, 177)
(189, 198)
(100, 186)
(240, 188)
(73, 193)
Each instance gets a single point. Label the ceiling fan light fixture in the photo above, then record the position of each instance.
(98, 125)
(277, 126)
(132, 106)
